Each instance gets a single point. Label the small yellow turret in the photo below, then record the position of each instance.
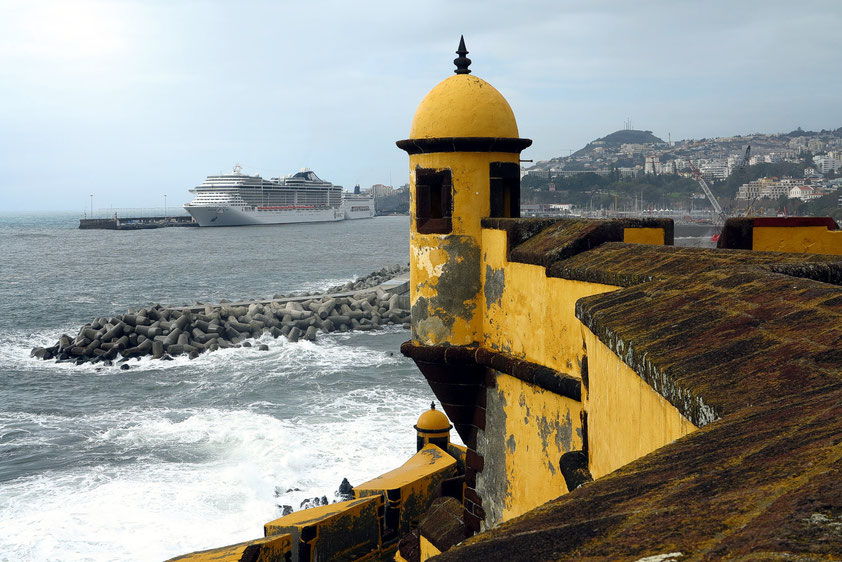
(433, 427)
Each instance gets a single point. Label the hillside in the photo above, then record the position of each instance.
(619, 138)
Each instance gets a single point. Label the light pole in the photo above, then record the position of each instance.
(92, 205)
(165, 205)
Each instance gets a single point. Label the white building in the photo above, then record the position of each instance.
(804, 192)
(768, 188)
(652, 165)
(826, 163)
(713, 169)
(381, 190)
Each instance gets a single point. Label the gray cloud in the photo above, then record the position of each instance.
(131, 100)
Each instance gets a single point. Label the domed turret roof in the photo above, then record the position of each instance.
(433, 421)
(463, 106)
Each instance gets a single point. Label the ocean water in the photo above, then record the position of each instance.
(171, 457)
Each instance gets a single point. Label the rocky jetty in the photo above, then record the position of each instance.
(369, 281)
(162, 332)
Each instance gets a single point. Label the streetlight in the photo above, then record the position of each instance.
(165, 205)
(92, 205)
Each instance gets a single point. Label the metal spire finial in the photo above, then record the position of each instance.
(432, 405)
(462, 62)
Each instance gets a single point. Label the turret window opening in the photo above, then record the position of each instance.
(504, 190)
(433, 201)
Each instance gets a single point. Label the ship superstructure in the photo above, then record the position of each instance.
(239, 199)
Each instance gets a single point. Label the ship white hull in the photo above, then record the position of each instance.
(358, 207)
(234, 216)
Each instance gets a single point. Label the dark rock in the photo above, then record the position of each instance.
(345, 491)
(124, 367)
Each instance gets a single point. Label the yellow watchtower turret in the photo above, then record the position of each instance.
(464, 159)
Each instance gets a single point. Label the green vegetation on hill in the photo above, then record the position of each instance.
(595, 191)
(629, 136)
(619, 138)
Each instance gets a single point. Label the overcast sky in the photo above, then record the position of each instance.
(134, 100)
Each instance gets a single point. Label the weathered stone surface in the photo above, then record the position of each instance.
(745, 345)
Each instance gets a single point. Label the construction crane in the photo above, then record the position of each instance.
(720, 214)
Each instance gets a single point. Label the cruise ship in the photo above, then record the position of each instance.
(237, 199)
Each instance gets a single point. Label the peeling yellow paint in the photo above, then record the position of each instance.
(344, 530)
(540, 426)
(535, 316)
(435, 256)
(410, 488)
(797, 239)
(626, 417)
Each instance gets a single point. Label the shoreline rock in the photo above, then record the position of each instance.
(164, 332)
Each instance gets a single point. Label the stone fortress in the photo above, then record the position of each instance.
(618, 397)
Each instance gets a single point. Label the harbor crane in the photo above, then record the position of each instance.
(717, 208)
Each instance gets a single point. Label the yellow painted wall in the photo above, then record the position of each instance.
(427, 549)
(348, 530)
(797, 239)
(445, 268)
(534, 316)
(626, 417)
(418, 481)
(643, 236)
(527, 431)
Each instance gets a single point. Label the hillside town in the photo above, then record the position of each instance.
(633, 152)
(753, 172)
(632, 172)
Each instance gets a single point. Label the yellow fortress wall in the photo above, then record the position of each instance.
(626, 417)
(800, 235)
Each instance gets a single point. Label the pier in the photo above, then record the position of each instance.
(136, 219)
(136, 223)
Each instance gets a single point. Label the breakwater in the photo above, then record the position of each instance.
(377, 300)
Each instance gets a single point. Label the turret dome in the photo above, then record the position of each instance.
(433, 421)
(464, 106)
